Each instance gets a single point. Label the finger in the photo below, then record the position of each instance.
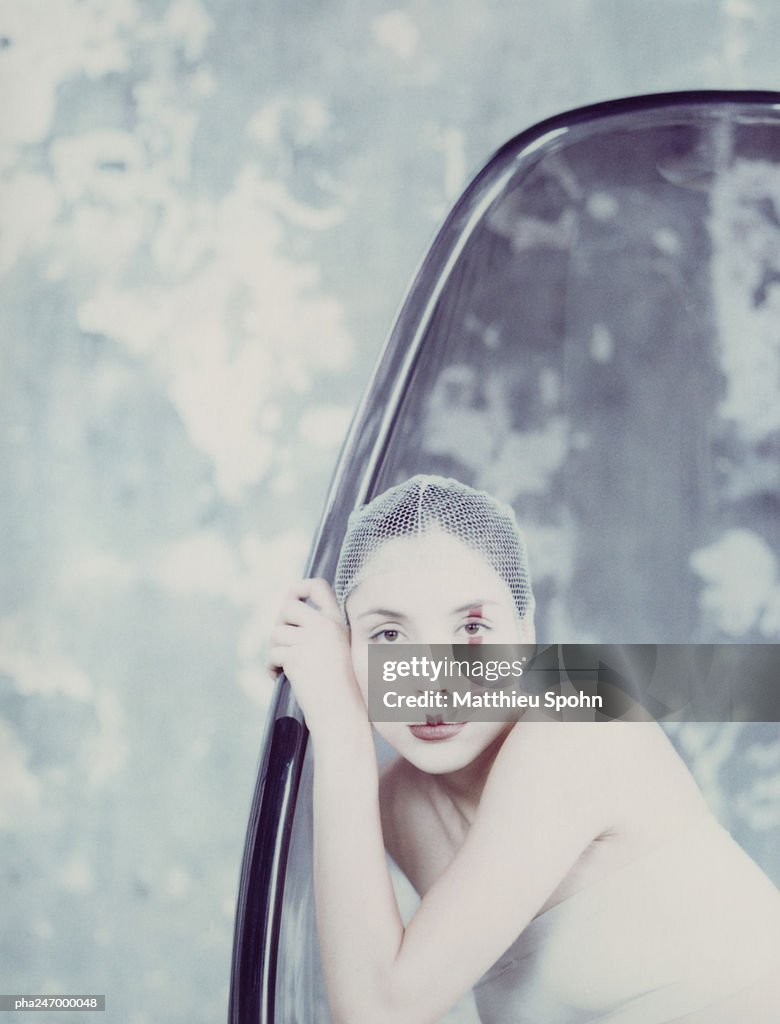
(291, 596)
(276, 659)
(296, 612)
(284, 636)
(319, 591)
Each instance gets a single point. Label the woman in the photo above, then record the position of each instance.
(569, 872)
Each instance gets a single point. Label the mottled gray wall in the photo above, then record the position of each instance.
(210, 211)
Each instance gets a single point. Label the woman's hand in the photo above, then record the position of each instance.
(310, 644)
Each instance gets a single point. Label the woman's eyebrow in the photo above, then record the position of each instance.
(384, 613)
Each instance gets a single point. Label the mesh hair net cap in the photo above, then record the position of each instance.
(421, 503)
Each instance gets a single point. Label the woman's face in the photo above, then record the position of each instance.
(432, 589)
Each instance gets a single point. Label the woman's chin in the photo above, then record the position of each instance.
(438, 748)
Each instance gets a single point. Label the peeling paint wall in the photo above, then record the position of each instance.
(209, 213)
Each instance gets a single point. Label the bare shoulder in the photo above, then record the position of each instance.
(623, 772)
(543, 761)
(590, 747)
(582, 748)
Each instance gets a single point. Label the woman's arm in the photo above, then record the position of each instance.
(542, 804)
(360, 928)
(358, 920)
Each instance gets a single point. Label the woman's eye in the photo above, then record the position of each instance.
(388, 636)
(473, 628)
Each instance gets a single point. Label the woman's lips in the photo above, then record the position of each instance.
(437, 730)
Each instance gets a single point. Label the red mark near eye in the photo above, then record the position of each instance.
(475, 613)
